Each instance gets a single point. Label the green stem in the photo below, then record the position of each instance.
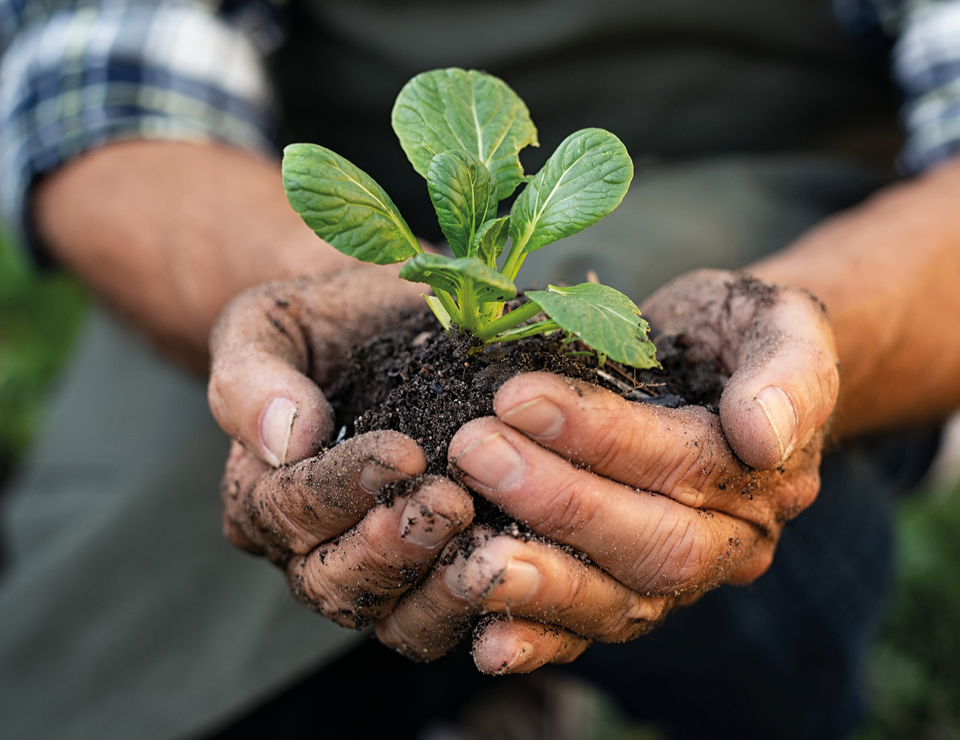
(541, 327)
(469, 310)
(490, 312)
(447, 302)
(515, 259)
(520, 314)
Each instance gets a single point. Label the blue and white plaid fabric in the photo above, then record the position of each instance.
(926, 65)
(78, 73)
(85, 74)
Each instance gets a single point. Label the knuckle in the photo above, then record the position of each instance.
(677, 561)
(565, 511)
(237, 537)
(756, 565)
(612, 440)
(311, 585)
(278, 516)
(391, 633)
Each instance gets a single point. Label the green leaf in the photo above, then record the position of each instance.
(345, 207)
(584, 180)
(490, 240)
(459, 276)
(467, 111)
(603, 318)
(463, 196)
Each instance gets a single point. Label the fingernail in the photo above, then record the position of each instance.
(783, 419)
(522, 655)
(453, 577)
(539, 417)
(422, 526)
(375, 476)
(275, 428)
(492, 462)
(520, 579)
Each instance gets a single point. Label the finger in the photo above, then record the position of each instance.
(681, 453)
(431, 620)
(647, 541)
(520, 579)
(259, 391)
(502, 646)
(358, 577)
(786, 383)
(536, 579)
(291, 510)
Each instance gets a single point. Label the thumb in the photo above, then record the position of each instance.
(785, 386)
(259, 391)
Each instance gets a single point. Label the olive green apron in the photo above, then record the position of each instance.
(123, 612)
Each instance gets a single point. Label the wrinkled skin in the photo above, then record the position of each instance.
(664, 502)
(346, 555)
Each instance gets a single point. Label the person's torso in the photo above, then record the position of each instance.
(672, 78)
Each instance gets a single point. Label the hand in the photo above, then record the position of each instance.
(667, 503)
(318, 517)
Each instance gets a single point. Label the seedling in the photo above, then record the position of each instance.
(463, 132)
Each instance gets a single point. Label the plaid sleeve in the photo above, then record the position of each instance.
(926, 64)
(87, 74)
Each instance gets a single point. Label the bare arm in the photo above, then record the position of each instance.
(889, 274)
(168, 232)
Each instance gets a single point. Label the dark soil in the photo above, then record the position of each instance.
(420, 381)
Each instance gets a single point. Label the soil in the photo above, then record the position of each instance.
(425, 383)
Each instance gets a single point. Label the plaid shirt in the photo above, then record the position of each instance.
(78, 73)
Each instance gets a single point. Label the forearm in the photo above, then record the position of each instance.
(166, 233)
(889, 274)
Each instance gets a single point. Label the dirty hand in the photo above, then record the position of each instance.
(317, 516)
(667, 503)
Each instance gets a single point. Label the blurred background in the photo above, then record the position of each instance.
(914, 672)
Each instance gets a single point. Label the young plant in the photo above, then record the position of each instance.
(463, 132)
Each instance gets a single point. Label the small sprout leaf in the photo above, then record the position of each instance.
(345, 206)
(463, 196)
(468, 111)
(603, 318)
(461, 277)
(584, 180)
(490, 240)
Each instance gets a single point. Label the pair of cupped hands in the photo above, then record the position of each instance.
(665, 503)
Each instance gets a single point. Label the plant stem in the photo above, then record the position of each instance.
(469, 310)
(448, 303)
(520, 314)
(515, 258)
(541, 327)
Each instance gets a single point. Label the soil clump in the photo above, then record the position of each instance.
(418, 380)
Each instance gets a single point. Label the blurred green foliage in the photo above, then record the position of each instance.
(915, 668)
(39, 316)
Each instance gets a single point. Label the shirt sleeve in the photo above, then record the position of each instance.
(926, 65)
(80, 76)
